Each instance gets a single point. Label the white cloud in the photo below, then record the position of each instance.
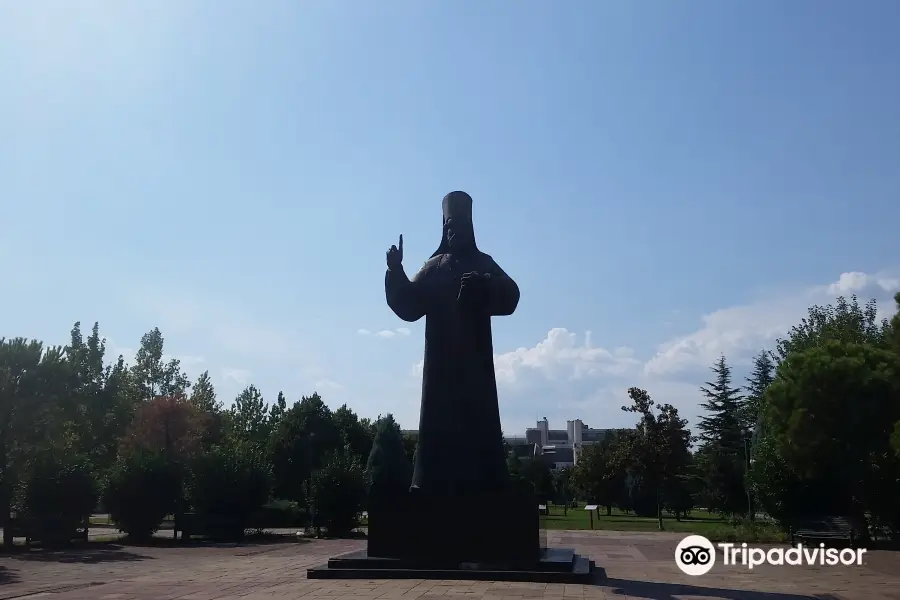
(327, 385)
(235, 376)
(189, 363)
(740, 332)
(564, 377)
(560, 356)
(386, 333)
(856, 281)
(114, 351)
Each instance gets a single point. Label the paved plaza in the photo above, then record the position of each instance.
(630, 565)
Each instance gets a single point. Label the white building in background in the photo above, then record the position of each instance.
(562, 446)
(559, 446)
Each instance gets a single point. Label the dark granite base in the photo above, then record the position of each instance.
(556, 565)
(491, 527)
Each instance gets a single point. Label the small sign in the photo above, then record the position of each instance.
(590, 507)
(542, 506)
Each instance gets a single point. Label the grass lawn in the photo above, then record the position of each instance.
(700, 522)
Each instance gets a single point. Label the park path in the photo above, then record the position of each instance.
(633, 565)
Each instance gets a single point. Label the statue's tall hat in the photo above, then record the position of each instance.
(457, 205)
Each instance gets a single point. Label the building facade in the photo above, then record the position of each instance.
(559, 447)
(562, 446)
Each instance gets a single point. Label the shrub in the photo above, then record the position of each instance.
(338, 492)
(230, 483)
(60, 491)
(141, 489)
(279, 514)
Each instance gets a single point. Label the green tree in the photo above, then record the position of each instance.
(388, 469)
(152, 375)
(24, 411)
(844, 321)
(563, 487)
(659, 449)
(203, 395)
(142, 487)
(354, 431)
(722, 456)
(230, 483)
(338, 493)
(249, 417)
(538, 471)
(277, 410)
(203, 399)
(832, 369)
(318, 422)
(60, 490)
(722, 424)
(894, 335)
(600, 472)
(831, 411)
(410, 444)
(290, 453)
(761, 377)
(300, 445)
(515, 465)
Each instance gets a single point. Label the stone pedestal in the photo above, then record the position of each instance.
(485, 527)
(483, 535)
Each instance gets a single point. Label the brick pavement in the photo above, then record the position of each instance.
(633, 565)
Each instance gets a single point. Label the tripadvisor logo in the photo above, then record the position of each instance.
(696, 555)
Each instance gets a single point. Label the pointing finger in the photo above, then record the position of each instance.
(401, 242)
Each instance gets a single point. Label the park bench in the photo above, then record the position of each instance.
(828, 530)
(48, 530)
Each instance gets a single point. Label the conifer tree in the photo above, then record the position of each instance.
(723, 454)
(759, 380)
(388, 470)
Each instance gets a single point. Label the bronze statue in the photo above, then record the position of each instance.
(463, 517)
(458, 290)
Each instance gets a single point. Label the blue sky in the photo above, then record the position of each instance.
(679, 179)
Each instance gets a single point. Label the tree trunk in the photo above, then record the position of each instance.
(659, 510)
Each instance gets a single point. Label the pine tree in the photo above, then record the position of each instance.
(388, 469)
(203, 394)
(723, 453)
(723, 424)
(277, 410)
(763, 375)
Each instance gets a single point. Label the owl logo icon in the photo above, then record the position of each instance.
(695, 555)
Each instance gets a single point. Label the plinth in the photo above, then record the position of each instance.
(467, 535)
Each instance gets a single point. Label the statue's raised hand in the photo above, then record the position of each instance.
(395, 256)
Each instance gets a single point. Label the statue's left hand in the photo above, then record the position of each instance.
(473, 287)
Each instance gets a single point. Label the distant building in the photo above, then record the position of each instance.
(559, 447)
(562, 446)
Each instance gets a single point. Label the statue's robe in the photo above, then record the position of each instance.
(460, 448)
